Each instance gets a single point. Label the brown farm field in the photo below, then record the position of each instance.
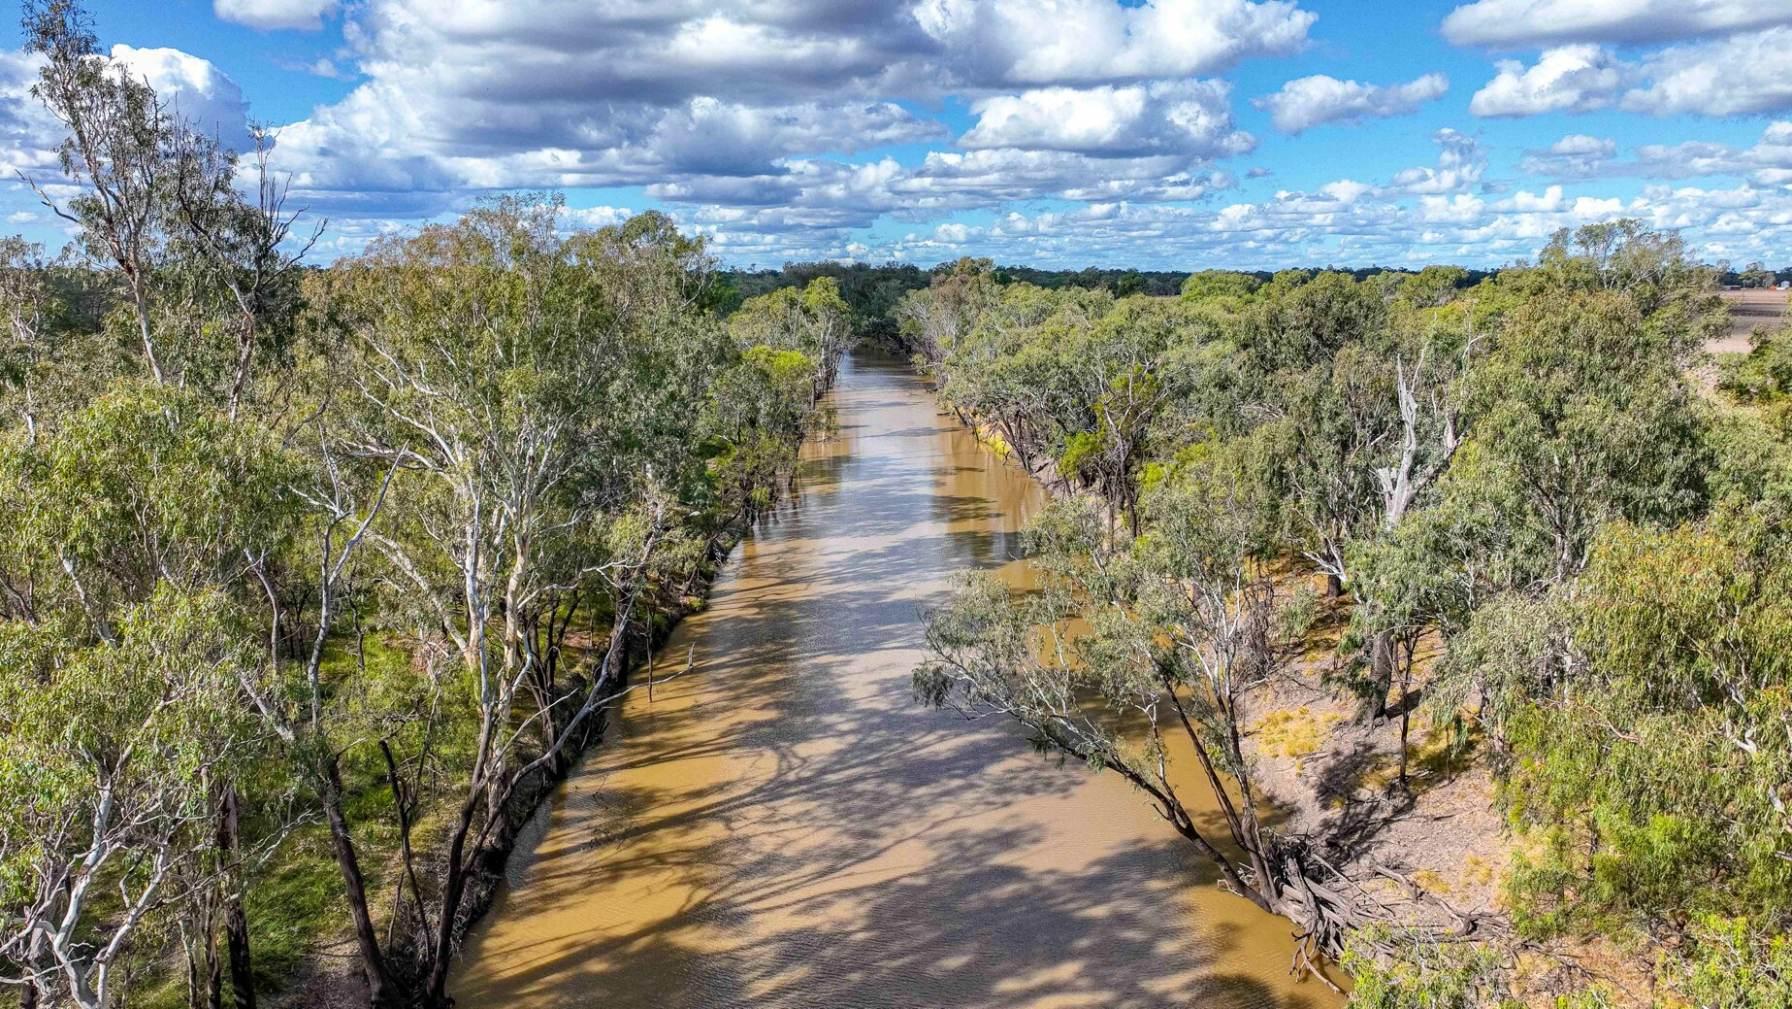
(1749, 309)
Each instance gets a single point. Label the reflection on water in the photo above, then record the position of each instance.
(782, 826)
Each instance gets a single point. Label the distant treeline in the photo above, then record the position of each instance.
(1754, 275)
(874, 291)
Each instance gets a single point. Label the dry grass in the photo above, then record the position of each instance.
(1296, 734)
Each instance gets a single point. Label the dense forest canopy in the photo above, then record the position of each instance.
(317, 577)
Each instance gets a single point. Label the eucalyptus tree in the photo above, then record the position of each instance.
(108, 762)
(239, 258)
(1074, 380)
(28, 305)
(813, 320)
(1366, 400)
(1009, 371)
(130, 510)
(537, 397)
(1584, 413)
(117, 152)
(932, 321)
(1228, 285)
(1133, 656)
(158, 203)
(145, 485)
(179, 258)
(1651, 739)
(1162, 658)
(761, 405)
(1130, 365)
(1355, 398)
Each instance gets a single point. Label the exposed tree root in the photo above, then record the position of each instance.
(1334, 910)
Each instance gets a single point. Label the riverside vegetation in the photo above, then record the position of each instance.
(311, 577)
(1536, 533)
(315, 580)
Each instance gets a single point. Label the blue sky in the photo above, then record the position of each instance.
(1175, 134)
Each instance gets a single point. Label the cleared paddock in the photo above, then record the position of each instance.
(1749, 309)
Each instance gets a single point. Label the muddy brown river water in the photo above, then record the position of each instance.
(782, 826)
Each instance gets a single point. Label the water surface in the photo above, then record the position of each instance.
(783, 827)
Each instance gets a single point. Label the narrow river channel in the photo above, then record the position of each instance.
(783, 827)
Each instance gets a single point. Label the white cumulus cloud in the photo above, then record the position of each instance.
(1182, 117)
(1460, 164)
(1526, 23)
(1575, 78)
(1576, 155)
(734, 95)
(267, 14)
(764, 125)
(1768, 162)
(1744, 74)
(1085, 41)
(195, 90)
(1307, 102)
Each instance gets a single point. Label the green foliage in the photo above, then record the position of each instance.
(1764, 374)
(1509, 654)
(1211, 284)
(150, 482)
(761, 406)
(1425, 974)
(1519, 463)
(469, 437)
(109, 757)
(1752, 468)
(1734, 965)
(1299, 321)
(1655, 764)
(1126, 641)
(1300, 614)
(813, 320)
(1756, 275)
(1434, 286)
(1074, 379)
(1583, 418)
(871, 292)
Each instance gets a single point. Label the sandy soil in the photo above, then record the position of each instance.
(1334, 777)
(330, 979)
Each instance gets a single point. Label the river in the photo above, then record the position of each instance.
(781, 826)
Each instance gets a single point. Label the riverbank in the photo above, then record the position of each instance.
(305, 954)
(1335, 777)
(327, 975)
(1426, 842)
